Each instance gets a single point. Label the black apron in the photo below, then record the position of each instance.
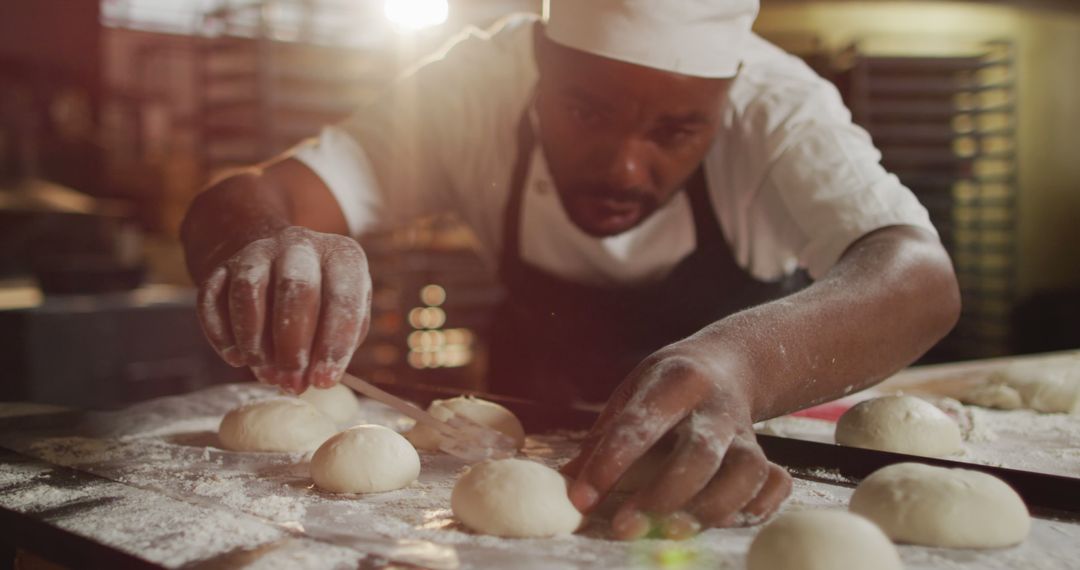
(554, 340)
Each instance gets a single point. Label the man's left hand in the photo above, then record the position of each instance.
(717, 475)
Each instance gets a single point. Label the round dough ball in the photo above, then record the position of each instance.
(365, 459)
(903, 424)
(338, 402)
(483, 412)
(280, 424)
(514, 498)
(935, 506)
(822, 540)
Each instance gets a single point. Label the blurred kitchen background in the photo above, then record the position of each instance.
(115, 113)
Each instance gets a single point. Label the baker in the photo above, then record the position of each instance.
(686, 221)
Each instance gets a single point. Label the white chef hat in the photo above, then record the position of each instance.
(692, 37)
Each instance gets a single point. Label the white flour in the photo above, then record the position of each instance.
(173, 497)
(139, 526)
(1018, 439)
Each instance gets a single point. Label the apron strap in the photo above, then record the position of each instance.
(707, 229)
(511, 230)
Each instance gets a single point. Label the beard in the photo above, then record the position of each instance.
(603, 212)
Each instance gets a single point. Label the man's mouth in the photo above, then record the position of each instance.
(613, 210)
(616, 204)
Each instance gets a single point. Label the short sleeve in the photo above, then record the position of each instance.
(336, 158)
(811, 181)
(830, 183)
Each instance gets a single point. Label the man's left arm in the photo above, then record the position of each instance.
(890, 297)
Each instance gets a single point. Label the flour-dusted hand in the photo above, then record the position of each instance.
(293, 306)
(717, 474)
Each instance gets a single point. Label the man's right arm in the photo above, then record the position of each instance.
(282, 289)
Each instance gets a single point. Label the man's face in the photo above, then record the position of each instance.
(620, 139)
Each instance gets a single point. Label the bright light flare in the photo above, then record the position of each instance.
(416, 14)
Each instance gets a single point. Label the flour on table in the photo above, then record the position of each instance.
(228, 504)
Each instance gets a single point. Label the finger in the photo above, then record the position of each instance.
(644, 374)
(247, 306)
(612, 409)
(687, 471)
(622, 445)
(679, 525)
(297, 292)
(649, 414)
(213, 310)
(344, 315)
(741, 477)
(655, 457)
(573, 467)
(769, 499)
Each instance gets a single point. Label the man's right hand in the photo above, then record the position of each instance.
(293, 306)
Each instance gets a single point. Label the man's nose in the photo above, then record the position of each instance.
(630, 166)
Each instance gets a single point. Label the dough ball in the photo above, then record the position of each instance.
(822, 540)
(365, 459)
(934, 506)
(1000, 396)
(904, 424)
(280, 424)
(514, 498)
(481, 411)
(338, 402)
(1051, 386)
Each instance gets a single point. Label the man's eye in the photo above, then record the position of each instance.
(669, 136)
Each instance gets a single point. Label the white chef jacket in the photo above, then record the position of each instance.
(792, 180)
